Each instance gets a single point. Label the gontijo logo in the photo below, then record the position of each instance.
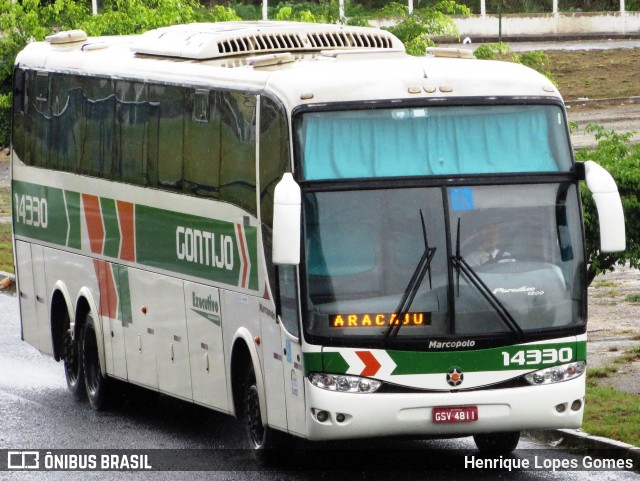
(206, 248)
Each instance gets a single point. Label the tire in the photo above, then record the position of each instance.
(97, 385)
(502, 443)
(72, 359)
(265, 443)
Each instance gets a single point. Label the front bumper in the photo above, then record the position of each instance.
(375, 415)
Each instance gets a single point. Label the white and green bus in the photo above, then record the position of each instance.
(303, 226)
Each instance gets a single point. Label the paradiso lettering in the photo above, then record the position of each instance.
(380, 320)
(206, 248)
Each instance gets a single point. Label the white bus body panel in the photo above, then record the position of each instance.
(378, 414)
(204, 328)
(139, 337)
(27, 294)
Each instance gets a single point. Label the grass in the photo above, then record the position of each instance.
(605, 283)
(632, 298)
(6, 248)
(608, 411)
(615, 72)
(594, 74)
(613, 414)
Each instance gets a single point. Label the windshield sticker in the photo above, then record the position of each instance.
(461, 198)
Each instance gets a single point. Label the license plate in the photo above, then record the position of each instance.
(457, 414)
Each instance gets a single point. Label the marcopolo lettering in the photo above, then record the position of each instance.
(451, 344)
(206, 248)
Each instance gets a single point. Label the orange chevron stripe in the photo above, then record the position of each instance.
(127, 231)
(95, 226)
(371, 364)
(108, 293)
(245, 259)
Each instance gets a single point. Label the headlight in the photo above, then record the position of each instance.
(550, 375)
(342, 383)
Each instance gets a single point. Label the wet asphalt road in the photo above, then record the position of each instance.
(36, 412)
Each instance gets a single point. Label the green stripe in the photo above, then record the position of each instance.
(528, 357)
(39, 213)
(156, 240)
(124, 307)
(112, 228)
(193, 245)
(73, 212)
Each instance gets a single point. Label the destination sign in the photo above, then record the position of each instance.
(379, 320)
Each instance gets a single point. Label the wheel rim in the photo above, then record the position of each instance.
(255, 429)
(92, 366)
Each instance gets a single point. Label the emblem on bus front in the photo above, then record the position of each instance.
(455, 376)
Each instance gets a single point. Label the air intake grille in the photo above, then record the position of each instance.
(215, 40)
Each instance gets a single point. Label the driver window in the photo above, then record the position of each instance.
(288, 289)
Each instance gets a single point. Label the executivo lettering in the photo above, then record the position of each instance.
(207, 307)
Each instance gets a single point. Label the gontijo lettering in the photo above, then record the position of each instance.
(206, 248)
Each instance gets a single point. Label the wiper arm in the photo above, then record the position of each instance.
(461, 266)
(414, 284)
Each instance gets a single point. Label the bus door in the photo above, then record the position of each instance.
(283, 356)
(33, 296)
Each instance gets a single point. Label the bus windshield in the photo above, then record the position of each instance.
(521, 245)
(439, 260)
(433, 141)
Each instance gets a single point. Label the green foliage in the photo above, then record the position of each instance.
(287, 13)
(414, 30)
(621, 158)
(491, 51)
(537, 60)
(122, 17)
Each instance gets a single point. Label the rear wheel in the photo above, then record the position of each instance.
(503, 443)
(72, 357)
(97, 385)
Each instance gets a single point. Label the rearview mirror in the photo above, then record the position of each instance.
(286, 222)
(610, 214)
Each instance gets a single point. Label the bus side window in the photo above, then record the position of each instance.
(238, 150)
(274, 161)
(67, 123)
(130, 134)
(99, 110)
(20, 119)
(41, 118)
(201, 148)
(166, 136)
(288, 299)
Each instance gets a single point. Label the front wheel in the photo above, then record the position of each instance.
(503, 443)
(264, 441)
(97, 385)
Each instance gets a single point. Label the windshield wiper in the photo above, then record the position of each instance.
(414, 284)
(461, 266)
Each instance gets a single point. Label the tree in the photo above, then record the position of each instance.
(621, 158)
(414, 30)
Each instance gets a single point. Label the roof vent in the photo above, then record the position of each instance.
(200, 41)
(67, 36)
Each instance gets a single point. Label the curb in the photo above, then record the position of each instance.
(576, 439)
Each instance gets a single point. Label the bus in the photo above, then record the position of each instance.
(304, 227)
